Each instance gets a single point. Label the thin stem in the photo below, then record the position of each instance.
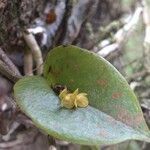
(35, 49)
(28, 63)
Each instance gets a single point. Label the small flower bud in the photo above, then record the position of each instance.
(63, 93)
(68, 101)
(81, 100)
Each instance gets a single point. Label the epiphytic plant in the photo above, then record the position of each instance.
(112, 116)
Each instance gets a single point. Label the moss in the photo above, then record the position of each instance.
(16, 14)
(8, 19)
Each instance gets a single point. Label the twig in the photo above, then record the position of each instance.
(137, 75)
(103, 33)
(122, 34)
(8, 62)
(37, 67)
(108, 49)
(60, 33)
(14, 126)
(138, 59)
(146, 19)
(28, 63)
(6, 71)
(48, 30)
(131, 62)
(23, 138)
(51, 29)
(23, 119)
(52, 147)
(10, 144)
(80, 12)
(35, 49)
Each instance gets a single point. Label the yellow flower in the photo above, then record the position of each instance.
(75, 99)
(68, 101)
(81, 100)
(63, 93)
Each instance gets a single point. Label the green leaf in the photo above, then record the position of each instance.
(107, 90)
(83, 125)
(113, 116)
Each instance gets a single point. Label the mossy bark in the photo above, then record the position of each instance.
(14, 16)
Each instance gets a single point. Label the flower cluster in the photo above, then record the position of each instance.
(75, 99)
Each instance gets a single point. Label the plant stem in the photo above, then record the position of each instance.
(35, 49)
(6, 71)
(8, 62)
(28, 63)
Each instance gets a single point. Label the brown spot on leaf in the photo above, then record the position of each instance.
(116, 95)
(124, 116)
(102, 82)
(128, 118)
(138, 119)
